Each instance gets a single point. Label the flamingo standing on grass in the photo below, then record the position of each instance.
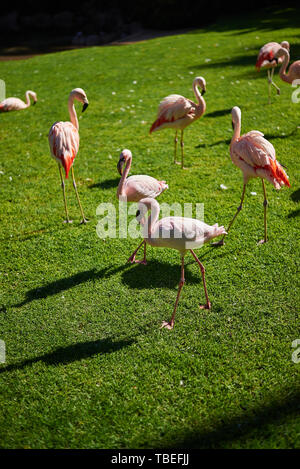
(64, 144)
(183, 234)
(177, 112)
(136, 188)
(255, 156)
(294, 69)
(266, 59)
(16, 104)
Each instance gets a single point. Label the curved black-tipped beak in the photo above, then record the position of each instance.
(120, 166)
(203, 92)
(34, 102)
(85, 106)
(232, 125)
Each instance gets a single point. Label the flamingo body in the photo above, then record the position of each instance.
(266, 55)
(16, 104)
(64, 144)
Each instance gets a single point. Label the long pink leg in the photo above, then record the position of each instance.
(132, 257)
(208, 303)
(170, 324)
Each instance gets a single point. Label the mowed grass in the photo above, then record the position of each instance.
(87, 365)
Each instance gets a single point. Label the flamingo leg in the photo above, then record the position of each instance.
(132, 257)
(269, 86)
(182, 145)
(272, 82)
(84, 220)
(208, 303)
(265, 213)
(175, 147)
(64, 194)
(221, 242)
(170, 324)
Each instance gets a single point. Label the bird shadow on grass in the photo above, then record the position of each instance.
(72, 353)
(108, 184)
(214, 144)
(294, 213)
(218, 113)
(295, 196)
(233, 429)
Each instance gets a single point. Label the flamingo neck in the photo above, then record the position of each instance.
(199, 97)
(282, 72)
(124, 176)
(72, 112)
(152, 219)
(27, 98)
(236, 132)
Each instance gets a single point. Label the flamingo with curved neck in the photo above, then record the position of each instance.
(16, 104)
(177, 112)
(64, 144)
(294, 69)
(182, 234)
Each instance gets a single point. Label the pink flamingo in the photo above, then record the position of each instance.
(64, 144)
(294, 69)
(183, 234)
(177, 112)
(136, 188)
(255, 156)
(16, 104)
(266, 59)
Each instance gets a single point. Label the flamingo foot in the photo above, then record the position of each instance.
(134, 261)
(262, 241)
(168, 325)
(179, 162)
(68, 221)
(207, 306)
(84, 221)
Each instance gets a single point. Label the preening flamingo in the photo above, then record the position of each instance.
(136, 188)
(177, 112)
(183, 234)
(255, 156)
(294, 69)
(15, 104)
(266, 59)
(64, 144)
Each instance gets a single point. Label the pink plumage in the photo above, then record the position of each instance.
(294, 69)
(16, 104)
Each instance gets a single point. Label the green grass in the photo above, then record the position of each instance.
(87, 365)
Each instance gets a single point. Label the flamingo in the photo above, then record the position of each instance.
(136, 188)
(255, 156)
(178, 112)
(294, 69)
(64, 144)
(266, 59)
(183, 234)
(16, 104)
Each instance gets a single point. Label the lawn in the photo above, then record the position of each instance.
(87, 365)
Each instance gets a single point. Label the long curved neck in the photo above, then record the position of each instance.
(124, 176)
(27, 98)
(282, 72)
(199, 97)
(236, 132)
(72, 112)
(152, 219)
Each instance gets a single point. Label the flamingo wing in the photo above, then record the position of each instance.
(267, 53)
(141, 186)
(256, 157)
(64, 143)
(171, 109)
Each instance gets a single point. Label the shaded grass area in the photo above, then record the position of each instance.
(86, 363)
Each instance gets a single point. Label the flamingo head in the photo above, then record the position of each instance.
(236, 116)
(283, 51)
(79, 94)
(33, 95)
(143, 207)
(200, 81)
(124, 157)
(285, 45)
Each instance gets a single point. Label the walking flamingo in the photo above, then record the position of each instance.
(294, 69)
(183, 234)
(177, 112)
(64, 144)
(136, 188)
(266, 59)
(255, 156)
(16, 104)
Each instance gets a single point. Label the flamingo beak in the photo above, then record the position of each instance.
(120, 166)
(34, 102)
(203, 91)
(85, 105)
(232, 125)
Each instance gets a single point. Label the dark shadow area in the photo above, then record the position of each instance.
(72, 353)
(214, 144)
(294, 214)
(295, 196)
(221, 112)
(233, 429)
(108, 184)
(274, 137)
